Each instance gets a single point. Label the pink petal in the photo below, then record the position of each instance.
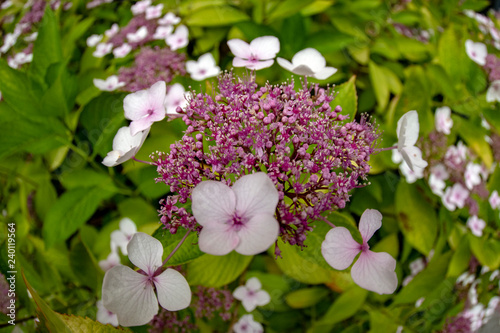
(217, 239)
(339, 248)
(375, 271)
(257, 234)
(129, 295)
(143, 124)
(265, 47)
(239, 48)
(136, 105)
(253, 284)
(370, 221)
(145, 252)
(213, 203)
(173, 290)
(255, 194)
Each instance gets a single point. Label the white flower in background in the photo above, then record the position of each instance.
(308, 62)
(93, 40)
(104, 316)
(153, 12)
(112, 31)
(476, 225)
(246, 324)
(125, 146)
(259, 54)
(144, 107)
(102, 49)
(9, 40)
(443, 121)
(456, 154)
(476, 51)
(131, 294)
(251, 294)
(6, 4)
(163, 32)
(494, 200)
(120, 238)
(407, 131)
(19, 59)
(169, 19)
(179, 38)
(137, 36)
(176, 97)
(110, 84)
(204, 68)
(437, 179)
(122, 51)
(239, 218)
(472, 175)
(493, 92)
(475, 316)
(455, 196)
(32, 37)
(140, 7)
(411, 176)
(112, 260)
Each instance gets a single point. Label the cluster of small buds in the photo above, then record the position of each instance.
(208, 301)
(492, 67)
(312, 156)
(414, 33)
(152, 65)
(171, 321)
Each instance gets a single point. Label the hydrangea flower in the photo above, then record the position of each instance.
(308, 62)
(179, 38)
(259, 54)
(120, 238)
(125, 146)
(472, 175)
(437, 179)
(176, 97)
(122, 51)
(93, 40)
(494, 200)
(131, 294)
(493, 92)
(163, 32)
(202, 69)
(247, 324)
(455, 196)
(140, 7)
(476, 225)
(104, 316)
(102, 49)
(112, 31)
(153, 12)
(110, 84)
(239, 218)
(169, 19)
(476, 51)
(112, 260)
(407, 131)
(138, 35)
(251, 294)
(372, 271)
(443, 121)
(145, 107)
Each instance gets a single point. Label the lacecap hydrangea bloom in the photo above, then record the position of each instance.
(309, 150)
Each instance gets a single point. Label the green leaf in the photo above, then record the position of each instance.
(344, 307)
(216, 16)
(473, 134)
(379, 84)
(45, 197)
(276, 285)
(451, 54)
(486, 251)
(307, 297)
(382, 321)
(287, 8)
(417, 219)
(460, 259)
(84, 266)
(47, 49)
(347, 98)
(86, 178)
(138, 210)
(78, 324)
(59, 99)
(74, 34)
(216, 271)
(188, 251)
(70, 212)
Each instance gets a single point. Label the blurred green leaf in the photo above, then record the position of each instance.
(451, 54)
(75, 34)
(45, 197)
(287, 8)
(460, 259)
(84, 266)
(188, 251)
(473, 134)
(79, 324)
(307, 297)
(380, 84)
(59, 99)
(75, 178)
(347, 98)
(486, 251)
(216, 271)
(215, 16)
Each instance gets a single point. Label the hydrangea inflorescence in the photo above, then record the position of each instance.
(309, 151)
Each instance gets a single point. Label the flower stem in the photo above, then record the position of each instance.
(141, 161)
(329, 223)
(176, 248)
(387, 148)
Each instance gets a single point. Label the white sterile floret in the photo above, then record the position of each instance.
(204, 68)
(163, 32)
(476, 225)
(179, 38)
(110, 84)
(102, 49)
(125, 146)
(472, 175)
(247, 324)
(121, 237)
(153, 12)
(169, 19)
(251, 294)
(477, 52)
(112, 31)
(137, 36)
(493, 92)
(176, 97)
(93, 40)
(407, 131)
(122, 51)
(443, 121)
(259, 54)
(140, 7)
(104, 316)
(308, 62)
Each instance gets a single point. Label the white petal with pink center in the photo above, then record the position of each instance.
(144, 107)
(443, 121)
(476, 51)
(247, 324)
(125, 146)
(202, 69)
(372, 271)
(308, 62)
(251, 294)
(102, 49)
(110, 84)
(472, 175)
(407, 132)
(130, 294)
(140, 7)
(494, 200)
(153, 12)
(259, 54)
(104, 316)
(122, 51)
(476, 225)
(137, 36)
(93, 40)
(169, 19)
(179, 38)
(163, 32)
(240, 218)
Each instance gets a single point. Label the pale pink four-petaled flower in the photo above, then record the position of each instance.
(477, 52)
(131, 294)
(308, 62)
(247, 324)
(153, 12)
(203, 68)
(259, 54)
(407, 132)
(125, 146)
(443, 121)
(454, 197)
(476, 225)
(121, 237)
(239, 218)
(179, 38)
(373, 271)
(140, 7)
(494, 200)
(122, 50)
(251, 294)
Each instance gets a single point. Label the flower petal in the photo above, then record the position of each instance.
(257, 234)
(262, 298)
(145, 252)
(120, 239)
(127, 226)
(129, 295)
(375, 271)
(240, 292)
(325, 73)
(285, 64)
(213, 203)
(265, 47)
(370, 221)
(135, 105)
(173, 290)
(253, 284)
(239, 48)
(255, 194)
(311, 58)
(339, 248)
(217, 239)
(413, 157)
(407, 129)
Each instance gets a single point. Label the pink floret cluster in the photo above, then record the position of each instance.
(306, 147)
